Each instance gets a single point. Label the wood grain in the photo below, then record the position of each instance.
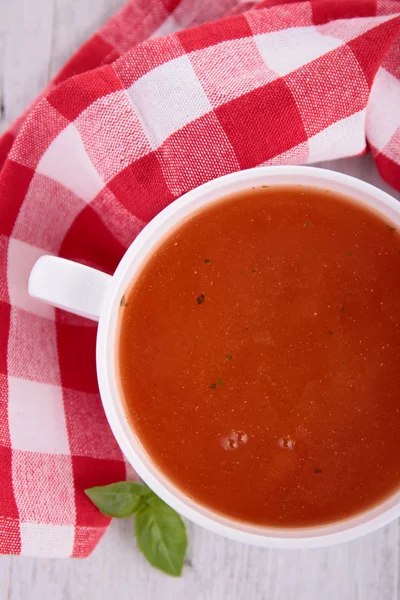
(36, 38)
(220, 569)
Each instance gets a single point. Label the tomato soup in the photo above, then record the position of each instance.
(259, 357)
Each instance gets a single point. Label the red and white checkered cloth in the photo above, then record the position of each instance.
(133, 121)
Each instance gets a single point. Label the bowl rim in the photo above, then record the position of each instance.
(296, 537)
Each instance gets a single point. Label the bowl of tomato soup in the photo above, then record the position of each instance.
(248, 354)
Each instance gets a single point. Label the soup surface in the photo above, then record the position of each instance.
(259, 357)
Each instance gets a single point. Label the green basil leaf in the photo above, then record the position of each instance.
(118, 499)
(161, 535)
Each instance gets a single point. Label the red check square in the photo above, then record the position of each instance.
(263, 133)
(72, 97)
(77, 352)
(212, 34)
(90, 472)
(142, 188)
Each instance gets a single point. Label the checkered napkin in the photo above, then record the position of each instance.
(169, 94)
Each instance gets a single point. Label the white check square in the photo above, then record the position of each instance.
(45, 539)
(67, 162)
(168, 98)
(36, 417)
(286, 50)
(21, 258)
(344, 138)
(383, 110)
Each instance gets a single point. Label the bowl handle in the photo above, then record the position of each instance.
(69, 285)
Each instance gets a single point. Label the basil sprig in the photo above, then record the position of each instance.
(159, 530)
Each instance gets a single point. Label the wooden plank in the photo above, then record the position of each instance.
(74, 22)
(26, 29)
(36, 39)
(5, 576)
(365, 569)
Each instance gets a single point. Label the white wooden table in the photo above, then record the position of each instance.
(36, 38)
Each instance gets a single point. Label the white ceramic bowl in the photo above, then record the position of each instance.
(93, 294)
